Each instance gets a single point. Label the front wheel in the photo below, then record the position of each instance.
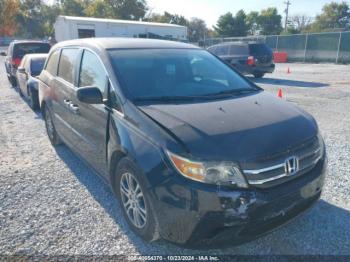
(50, 128)
(33, 99)
(134, 199)
(13, 81)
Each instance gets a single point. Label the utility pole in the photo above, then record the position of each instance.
(288, 3)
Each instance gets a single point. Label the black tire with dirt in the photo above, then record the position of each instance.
(50, 128)
(33, 99)
(258, 75)
(13, 81)
(148, 230)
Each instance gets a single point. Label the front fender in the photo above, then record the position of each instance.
(126, 140)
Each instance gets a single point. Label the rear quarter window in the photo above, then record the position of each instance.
(22, 49)
(67, 63)
(222, 50)
(36, 65)
(52, 63)
(259, 49)
(239, 50)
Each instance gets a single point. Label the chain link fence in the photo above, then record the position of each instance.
(331, 47)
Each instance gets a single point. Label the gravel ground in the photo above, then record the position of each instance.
(52, 204)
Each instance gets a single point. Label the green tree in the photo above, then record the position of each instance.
(197, 30)
(270, 22)
(72, 7)
(98, 8)
(230, 26)
(30, 19)
(128, 9)
(240, 24)
(168, 18)
(252, 22)
(49, 14)
(225, 25)
(334, 15)
(8, 11)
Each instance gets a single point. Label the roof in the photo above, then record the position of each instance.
(29, 41)
(35, 56)
(237, 43)
(124, 43)
(116, 21)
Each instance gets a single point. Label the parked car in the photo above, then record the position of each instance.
(17, 50)
(192, 150)
(248, 58)
(27, 72)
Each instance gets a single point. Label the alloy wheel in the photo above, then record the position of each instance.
(49, 125)
(133, 200)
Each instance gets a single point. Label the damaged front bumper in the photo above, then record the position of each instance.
(201, 215)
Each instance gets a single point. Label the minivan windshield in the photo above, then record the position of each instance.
(175, 74)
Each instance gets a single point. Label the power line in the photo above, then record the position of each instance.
(288, 3)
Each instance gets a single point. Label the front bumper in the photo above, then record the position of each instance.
(260, 69)
(198, 215)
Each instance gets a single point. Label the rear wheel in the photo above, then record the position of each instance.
(134, 199)
(258, 75)
(50, 128)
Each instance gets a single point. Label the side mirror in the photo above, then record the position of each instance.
(21, 70)
(89, 95)
(2, 53)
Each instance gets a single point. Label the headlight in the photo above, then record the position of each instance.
(212, 173)
(321, 143)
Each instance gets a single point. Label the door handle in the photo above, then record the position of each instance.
(74, 108)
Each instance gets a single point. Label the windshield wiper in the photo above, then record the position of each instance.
(166, 98)
(232, 92)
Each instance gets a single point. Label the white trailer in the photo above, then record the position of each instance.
(69, 27)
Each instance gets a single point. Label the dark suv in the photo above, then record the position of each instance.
(247, 58)
(17, 50)
(194, 152)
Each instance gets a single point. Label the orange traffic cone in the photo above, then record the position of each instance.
(288, 71)
(280, 93)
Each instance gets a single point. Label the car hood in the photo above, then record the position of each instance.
(239, 129)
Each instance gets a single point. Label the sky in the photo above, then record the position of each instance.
(210, 10)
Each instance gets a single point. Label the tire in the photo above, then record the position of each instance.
(20, 92)
(33, 99)
(13, 81)
(258, 75)
(50, 128)
(129, 181)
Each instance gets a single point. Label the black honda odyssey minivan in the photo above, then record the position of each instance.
(195, 153)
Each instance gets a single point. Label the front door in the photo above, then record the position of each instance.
(90, 121)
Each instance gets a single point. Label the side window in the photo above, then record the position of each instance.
(222, 50)
(27, 65)
(9, 50)
(66, 65)
(23, 62)
(52, 63)
(92, 72)
(212, 49)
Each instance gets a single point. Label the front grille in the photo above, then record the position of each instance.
(271, 171)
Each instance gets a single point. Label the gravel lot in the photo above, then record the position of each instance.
(52, 204)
